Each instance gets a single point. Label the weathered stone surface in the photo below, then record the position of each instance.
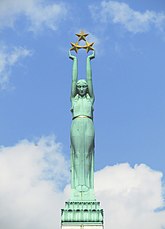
(78, 212)
(82, 227)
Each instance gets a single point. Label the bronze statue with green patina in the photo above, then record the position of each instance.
(82, 130)
(82, 209)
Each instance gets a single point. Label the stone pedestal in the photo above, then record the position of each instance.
(82, 227)
(82, 214)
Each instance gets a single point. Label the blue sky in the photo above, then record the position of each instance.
(128, 76)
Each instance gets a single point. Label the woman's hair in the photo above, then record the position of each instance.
(81, 81)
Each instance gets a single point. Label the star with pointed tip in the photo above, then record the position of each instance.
(75, 47)
(88, 46)
(82, 35)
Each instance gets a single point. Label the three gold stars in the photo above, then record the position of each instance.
(75, 46)
(88, 46)
(82, 36)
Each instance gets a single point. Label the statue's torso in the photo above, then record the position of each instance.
(82, 106)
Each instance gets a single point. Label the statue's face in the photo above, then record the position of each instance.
(82, 88)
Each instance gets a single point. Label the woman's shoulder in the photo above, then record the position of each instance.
(86, 97)
(75, 98)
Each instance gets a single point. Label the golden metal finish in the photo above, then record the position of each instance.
(75, 46)
(81, 116)
(82, 36)
(88, 46)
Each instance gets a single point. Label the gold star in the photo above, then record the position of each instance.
(82, 35)
(75, 46)
(88, 46)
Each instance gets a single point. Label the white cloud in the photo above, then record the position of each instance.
(121, 13)
(38, 13)
(32, 177)
(8, 59)
(130, 196)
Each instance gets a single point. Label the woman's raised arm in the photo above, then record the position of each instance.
(89, 75)
(74, 74)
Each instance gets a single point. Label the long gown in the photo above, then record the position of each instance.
(82, 143)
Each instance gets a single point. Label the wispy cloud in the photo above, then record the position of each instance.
(39, 13)
(9, 59)
(132, 20)
(32, 177)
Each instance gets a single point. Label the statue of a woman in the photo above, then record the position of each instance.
(82, 129)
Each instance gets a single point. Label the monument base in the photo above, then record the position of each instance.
(82, 214)
(82, 227)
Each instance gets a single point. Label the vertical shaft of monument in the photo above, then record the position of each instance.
(82, 210)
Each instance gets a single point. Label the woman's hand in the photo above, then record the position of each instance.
(72, 57)
(92, 56)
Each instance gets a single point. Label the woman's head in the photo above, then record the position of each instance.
(82, 87)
